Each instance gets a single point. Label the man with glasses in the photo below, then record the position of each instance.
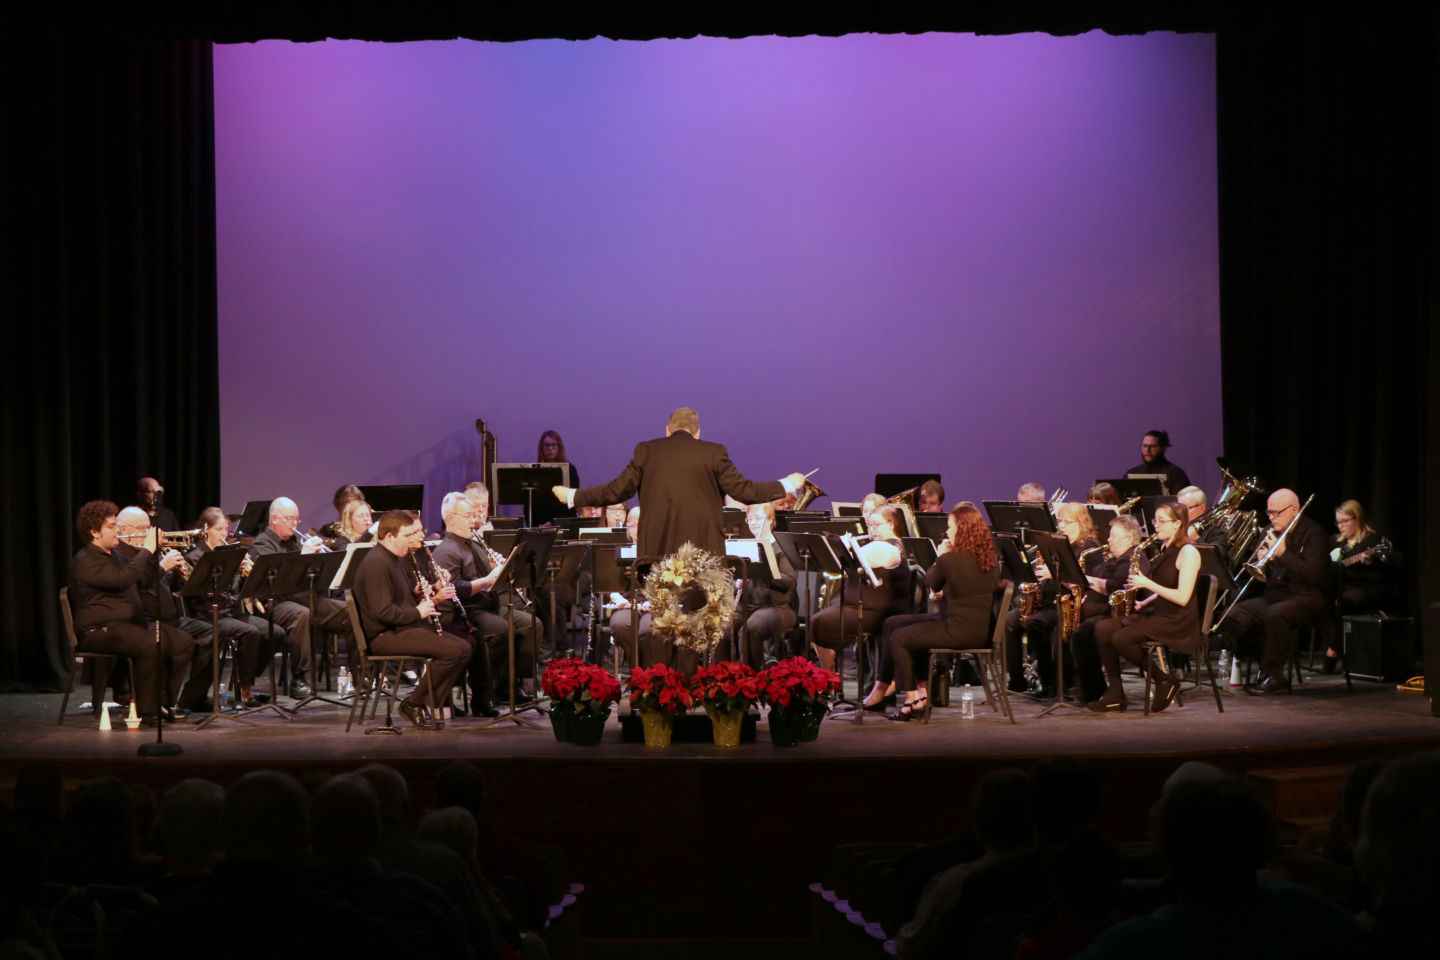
(1152, 460)
(292, 613)
(1297, 594)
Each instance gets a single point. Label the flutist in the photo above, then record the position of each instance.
(1297, 593)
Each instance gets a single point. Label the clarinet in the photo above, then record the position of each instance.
(497, 560)
(428, 592)
(443, 578)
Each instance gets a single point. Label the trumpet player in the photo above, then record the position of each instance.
(254, 642)
(397, 625)
(109, 618)
(1297, 593)
(292, 613)
(1171, 617)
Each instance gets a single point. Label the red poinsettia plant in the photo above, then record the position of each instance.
(659, 688)
(796, 682)
(584, 686)
(727, 687)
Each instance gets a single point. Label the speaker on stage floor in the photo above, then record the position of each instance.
(1379, 647)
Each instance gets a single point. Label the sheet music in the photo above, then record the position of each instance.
(755, 551)
(352, 555)
(853, 544)
(627, 551)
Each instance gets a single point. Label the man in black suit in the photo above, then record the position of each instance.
(682, 482)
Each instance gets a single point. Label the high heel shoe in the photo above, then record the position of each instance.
(879, 705)
(909, 710)
(1109, 702)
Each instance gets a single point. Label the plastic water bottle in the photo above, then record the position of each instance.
(1224, 670)
(224, 698)
(342, 682)
(967, 703)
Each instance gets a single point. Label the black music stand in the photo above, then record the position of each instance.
(570, 527)
(783, 518)
(1101, 516)
(318, 568)
(394, 496)
(1134, 486)
(498, 523)
(617, 574)
(933, 526)
(921, 550)
(517, 573)
(253, 519)
(1008, 546)
(274, 575)
(836, 525)
(732, 524)
(801, 548)
(889, 484)
(214, 572)
(855, 565)
(606, 537)
(1059, 557)
(1013, 516)
(516, 484)
(562, 566)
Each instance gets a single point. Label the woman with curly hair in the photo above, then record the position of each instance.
(966, 572)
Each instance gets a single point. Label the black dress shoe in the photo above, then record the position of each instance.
(480, 708)
(299, 690)
(1269, 688)
(1330, 664)
(416, 714)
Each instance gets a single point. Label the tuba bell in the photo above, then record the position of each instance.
(905, 496)
(807, 494)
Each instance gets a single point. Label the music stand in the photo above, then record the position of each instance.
(394, 496)
(617, 574)
(1008, 546)
(933, 526)
(732, 524)
(1101, 516)
(837, 526)
(783, 518)
(318, 568)
(498, 523)
(844, 508)
(1162, 479)
(562, 566)
(274, 575)
(515, 484)
(214, 572)
(1135, 485)
(253, 519)
(604, 535)
(889, 484)
(519, 571)
(1014, 516)
(570, 527)
(921, 550)
(1059, 557)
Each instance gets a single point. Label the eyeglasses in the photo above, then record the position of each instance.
(1275, 513)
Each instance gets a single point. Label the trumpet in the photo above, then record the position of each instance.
(1057, 499)
(324, 545)
(180, 538)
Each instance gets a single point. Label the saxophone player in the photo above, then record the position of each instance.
(1041, 628)
(1106, 576)
(1297, 594)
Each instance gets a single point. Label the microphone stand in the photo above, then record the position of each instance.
(159, 748)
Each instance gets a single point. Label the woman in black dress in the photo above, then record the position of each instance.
(966, 572)
(1170, 614)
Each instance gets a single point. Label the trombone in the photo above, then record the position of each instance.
(1263, 555)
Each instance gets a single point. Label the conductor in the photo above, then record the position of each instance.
(682, 482)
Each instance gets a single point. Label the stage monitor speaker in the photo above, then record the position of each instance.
(1380, 648)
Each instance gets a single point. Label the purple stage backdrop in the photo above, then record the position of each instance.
(992, 257)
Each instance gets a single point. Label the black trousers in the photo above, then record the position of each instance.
(1037, 631)
(1258, 625)
(759, 627)
(910, 644)
(294, 619)
(448, 656)
(885, 665)
(490, 659)
(1086, 653)
(137, 641)
(192, 694)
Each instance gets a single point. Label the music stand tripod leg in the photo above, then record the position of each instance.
(215, 713)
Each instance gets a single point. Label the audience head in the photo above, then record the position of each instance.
(1030, 493)
(347, 817)
(685, 419)
(1225, 808)
(452, 827)
(461, 784)
(188, 822)
(1000, 809)
(267, 818)
(391, 790)
(97, 837)
(1400, 838)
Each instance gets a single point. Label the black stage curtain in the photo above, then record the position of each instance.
(112, 224)
(1327, 204)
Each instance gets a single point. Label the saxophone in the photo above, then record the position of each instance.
(1122, 601)
(1071, 597)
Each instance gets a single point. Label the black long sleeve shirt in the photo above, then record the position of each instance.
(383, 594)
(104, 587)
(1303, 570)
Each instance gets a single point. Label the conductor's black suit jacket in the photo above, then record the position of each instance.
(682, 483)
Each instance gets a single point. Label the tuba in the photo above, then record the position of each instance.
(807, 495)
(905, 496)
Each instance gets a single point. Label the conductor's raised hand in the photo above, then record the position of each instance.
(795, 481)
(562, 493)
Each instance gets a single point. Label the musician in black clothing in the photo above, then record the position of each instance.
(886, 555)
(1152, 460)
(477, 609)
(1367, 573)
(396, 625)
(158, 602)
(1297, 594)
(1042, 627)
(148, 497)
(1105, 576)
(253, 641)
(1211, 534)
(293, 612)
(765, 610)
(105, 601)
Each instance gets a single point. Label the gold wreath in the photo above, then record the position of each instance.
(672, 577)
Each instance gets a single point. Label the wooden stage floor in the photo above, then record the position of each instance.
(755, 822)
